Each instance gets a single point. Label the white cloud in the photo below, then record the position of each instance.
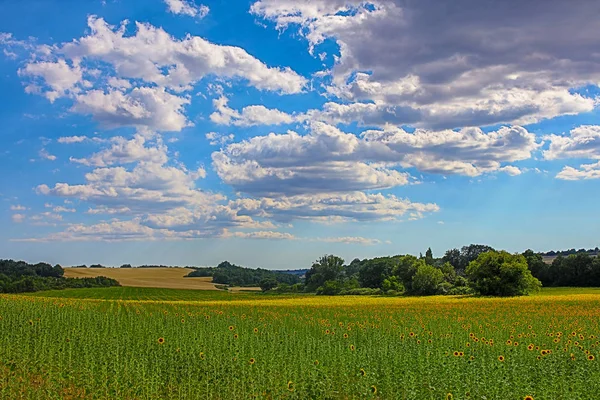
(61, 77)
(585, 172)
(327, 208)
(71, 139)
(43, 153)
(329, 160)
(216, 138)
(149, 107)
(18, 218)
(263, 235)
(186, 7)
(350, 240)
(467, 64)
(250, 116)
(61, 209)
(108, 210)
(119, 83)
(18, 207)
(154, 56)
(125, 151)
(511, 170)
(582, 142)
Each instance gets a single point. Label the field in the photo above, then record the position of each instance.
(168, 278)
(140, 343)
(172, 278)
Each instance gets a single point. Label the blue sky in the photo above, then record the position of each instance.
(271, 132)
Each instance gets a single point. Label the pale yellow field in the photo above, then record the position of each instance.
(169, 278)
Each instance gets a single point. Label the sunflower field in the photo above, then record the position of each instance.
(303, 347)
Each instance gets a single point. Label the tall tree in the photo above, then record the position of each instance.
(327, 268)
(429, 256)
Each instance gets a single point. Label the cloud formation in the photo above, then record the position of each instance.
(469, 63)
(186, 7)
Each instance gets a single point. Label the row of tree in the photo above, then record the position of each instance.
(579, 269)
(19, 276)
(473, 269)
(233, 275)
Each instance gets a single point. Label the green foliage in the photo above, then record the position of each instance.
(326, 268)
(426, 280)
(501, 274)
(392, 283)
(267, 284)
(230, 274)
(406, 267)
(373, 272)
(330, 288)
(429, 257)
(20, 277)
(361, 292)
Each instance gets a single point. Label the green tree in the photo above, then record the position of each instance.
(429, 257)
(373, 272)
(452, 256)
(327, 268)
(329, 288)
(392, 283)
(267, 284)
(496, 273)
(426, 280)
(406, 267)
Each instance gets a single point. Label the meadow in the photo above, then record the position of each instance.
(142, 343)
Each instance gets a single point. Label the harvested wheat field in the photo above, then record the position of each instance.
(169, 278)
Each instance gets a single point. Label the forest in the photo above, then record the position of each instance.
(19, 276)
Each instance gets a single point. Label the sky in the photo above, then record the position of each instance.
(271, 132)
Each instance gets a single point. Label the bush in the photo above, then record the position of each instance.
(460, 290)
(329, 288)
(501, 274)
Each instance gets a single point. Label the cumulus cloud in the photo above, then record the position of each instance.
(329, 160)
(581, 142)
(135, 177)
(154, 56)
(59, 76)
(343, 207)
(185, 7)
(250, 116)
(470, 63)
(151, 107)
(125, 151)
(585, 171)
(18, 207)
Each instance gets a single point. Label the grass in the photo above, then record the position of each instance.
(142, 293)
(217, 345)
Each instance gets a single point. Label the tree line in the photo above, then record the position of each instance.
(230, 274)
(473, 269)
(19, 276)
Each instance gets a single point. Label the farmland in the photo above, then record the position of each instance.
(173, 278)
(142, 343)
